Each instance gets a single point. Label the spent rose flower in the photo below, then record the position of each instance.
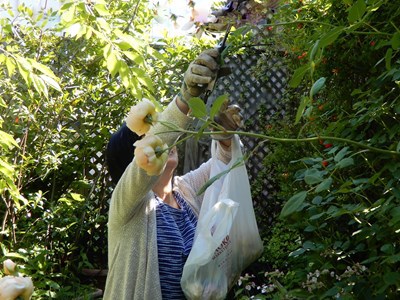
(10, 267)
(151, 154)
(141, 117)
(12, 287)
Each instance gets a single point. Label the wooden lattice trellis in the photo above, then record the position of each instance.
(250, 94)
(245, 90)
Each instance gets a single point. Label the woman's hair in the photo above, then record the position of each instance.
(120, 152)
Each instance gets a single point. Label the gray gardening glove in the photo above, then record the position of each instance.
(230, 118)
(200, 73)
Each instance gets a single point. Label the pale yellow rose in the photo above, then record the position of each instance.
(12, 287)
(141, 117)
(9, 267)
(151, 154)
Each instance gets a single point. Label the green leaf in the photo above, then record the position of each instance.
(357, 11)
(346, 162)
(216, 106)
(39, 85)
(297, 252)
(6, 170)
(17, 255)
(300, 110)
(388, 59)
(42, 68)
(317, 86)
(339, 156)
(198, 107)
(314, 50)
(113, 63)
(330, 36)
(143, 78)
(102, 10)
(392, 278)
(124, 74)
(395, 41)
(10, 64)
(51, 82)
(293, 204)
(298, 75)
(324, 185)
(387, 249)
(239, 162)
(77, 197)
(312, 176)
(398, 147)
(331, 292)
(6, 140)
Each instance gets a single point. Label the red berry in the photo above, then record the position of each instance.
(328, 146)
(325, 163)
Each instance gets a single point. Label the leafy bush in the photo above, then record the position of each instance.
(63, 90)
(343, 193)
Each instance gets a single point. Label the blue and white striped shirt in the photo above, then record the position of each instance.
(175, 234)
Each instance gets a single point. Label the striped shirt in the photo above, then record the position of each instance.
(175, 234)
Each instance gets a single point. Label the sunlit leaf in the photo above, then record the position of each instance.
(51, 82)
(113, 63)
(10, 64)
(42, 68)
(101, 10)
(6, 140)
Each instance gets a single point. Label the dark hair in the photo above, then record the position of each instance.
(120, 151)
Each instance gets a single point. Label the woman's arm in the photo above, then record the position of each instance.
(134, 186)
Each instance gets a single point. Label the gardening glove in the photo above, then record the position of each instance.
(200, 73)
(230, 118)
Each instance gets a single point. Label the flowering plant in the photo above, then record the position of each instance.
(12, 286)
(151, 154)
(141, 117)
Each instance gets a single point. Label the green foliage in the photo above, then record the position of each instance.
(63, 89)
(341, 200)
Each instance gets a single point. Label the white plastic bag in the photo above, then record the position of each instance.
(227, 238)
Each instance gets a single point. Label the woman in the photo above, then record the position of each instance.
(152, 219)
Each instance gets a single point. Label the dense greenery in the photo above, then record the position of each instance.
(63, 89)
(335, 156)
(339, 226)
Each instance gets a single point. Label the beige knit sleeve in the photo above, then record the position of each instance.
(133, 189)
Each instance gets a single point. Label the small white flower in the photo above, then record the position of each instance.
(13, 287)
(9, 267)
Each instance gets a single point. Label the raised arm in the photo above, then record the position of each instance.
(132, 189)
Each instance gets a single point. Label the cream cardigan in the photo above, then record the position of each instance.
(132, 239)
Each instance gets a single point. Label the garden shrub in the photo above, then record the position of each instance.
(342, 201)
(331, 230)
